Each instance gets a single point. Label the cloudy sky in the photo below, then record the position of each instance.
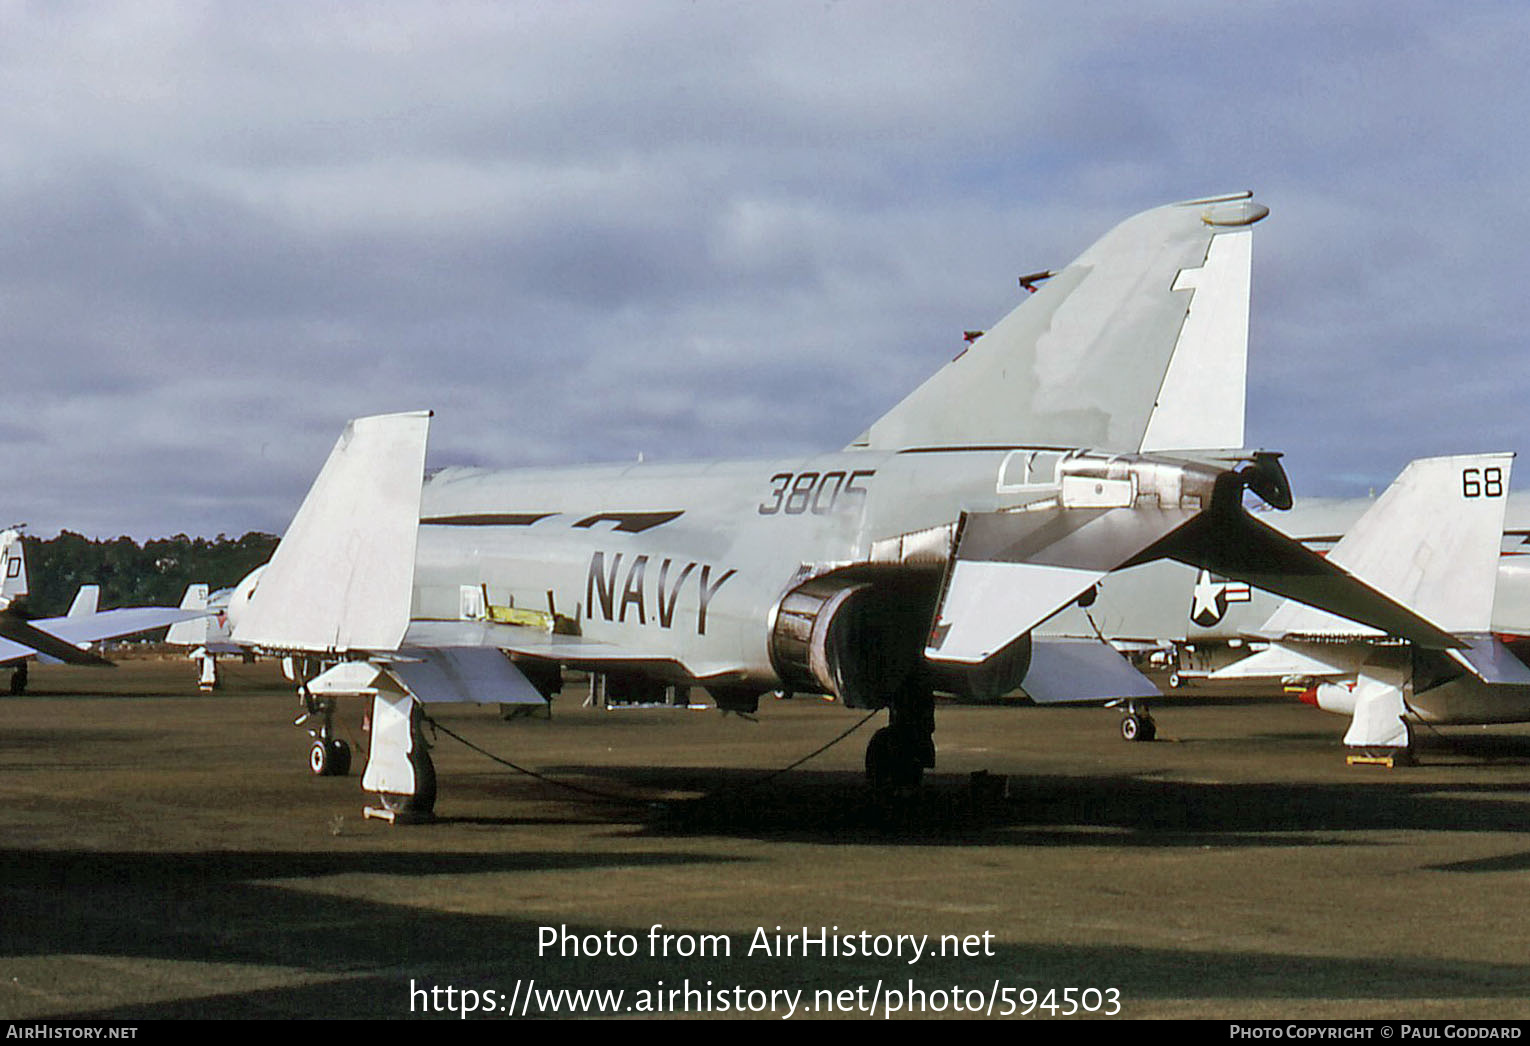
(584, 231)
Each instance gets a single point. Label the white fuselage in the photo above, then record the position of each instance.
(690, 558)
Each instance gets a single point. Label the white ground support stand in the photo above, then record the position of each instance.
(208, 682)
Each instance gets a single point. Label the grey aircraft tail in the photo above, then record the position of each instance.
(1139, 345)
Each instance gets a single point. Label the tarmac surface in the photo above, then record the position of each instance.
(167, 854)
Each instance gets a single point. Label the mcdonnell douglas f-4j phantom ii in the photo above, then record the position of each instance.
(1068, 441)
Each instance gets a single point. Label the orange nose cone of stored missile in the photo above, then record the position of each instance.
(1308, 696)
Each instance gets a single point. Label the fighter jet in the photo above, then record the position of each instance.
(1446, 538)
(1065, 443)
(209, 635)
(13, 566)
(1431, 541)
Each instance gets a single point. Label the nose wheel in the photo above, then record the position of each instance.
(1137, 724)
(329, 756)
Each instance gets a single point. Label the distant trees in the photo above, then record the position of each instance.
(155, 573)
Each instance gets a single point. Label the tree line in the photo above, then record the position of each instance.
(155, 573)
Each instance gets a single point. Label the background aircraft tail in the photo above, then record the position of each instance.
(1140, 344)
(13, 567)
(86, 601)
(195, 631)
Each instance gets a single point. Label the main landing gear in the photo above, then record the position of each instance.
(1137, 724)
(421, 806)
(898, 754)
(398, 737)
(19, 680)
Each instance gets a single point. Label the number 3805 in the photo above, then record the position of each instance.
(818, 493)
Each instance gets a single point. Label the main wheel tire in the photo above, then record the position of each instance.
(1131, 727)
(423, 802)
(339, 757)
(318, 759)
(892, 761)
(1149, 729)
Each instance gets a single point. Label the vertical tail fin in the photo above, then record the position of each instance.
(195, 631)
(13, 567)
(343, 575)
(1139, 345)
(86, 601)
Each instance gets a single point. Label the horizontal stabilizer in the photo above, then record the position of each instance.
(1237, 545)
(342, 577)
(1078, 670)
(464, 675)
(1430, 542)
(41, 642)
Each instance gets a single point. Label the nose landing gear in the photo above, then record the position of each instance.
(330, 756)
(1137, 724)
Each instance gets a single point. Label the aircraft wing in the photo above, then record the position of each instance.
(1065, 670)
(531, 642)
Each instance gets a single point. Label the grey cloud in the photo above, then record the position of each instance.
(584, 231)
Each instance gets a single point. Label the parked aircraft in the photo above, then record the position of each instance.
(13, 567)
(65, 638)
(1066, 442)
(1431, 541)
(1205, 627)
(210, 635)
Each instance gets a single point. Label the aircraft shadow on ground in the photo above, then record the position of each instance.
(1028, 810)
(236, 908)
(214, 909)
(1035, 809)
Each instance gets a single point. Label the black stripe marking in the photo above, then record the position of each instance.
(489, 519)
(979, 449)
(632, 522)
